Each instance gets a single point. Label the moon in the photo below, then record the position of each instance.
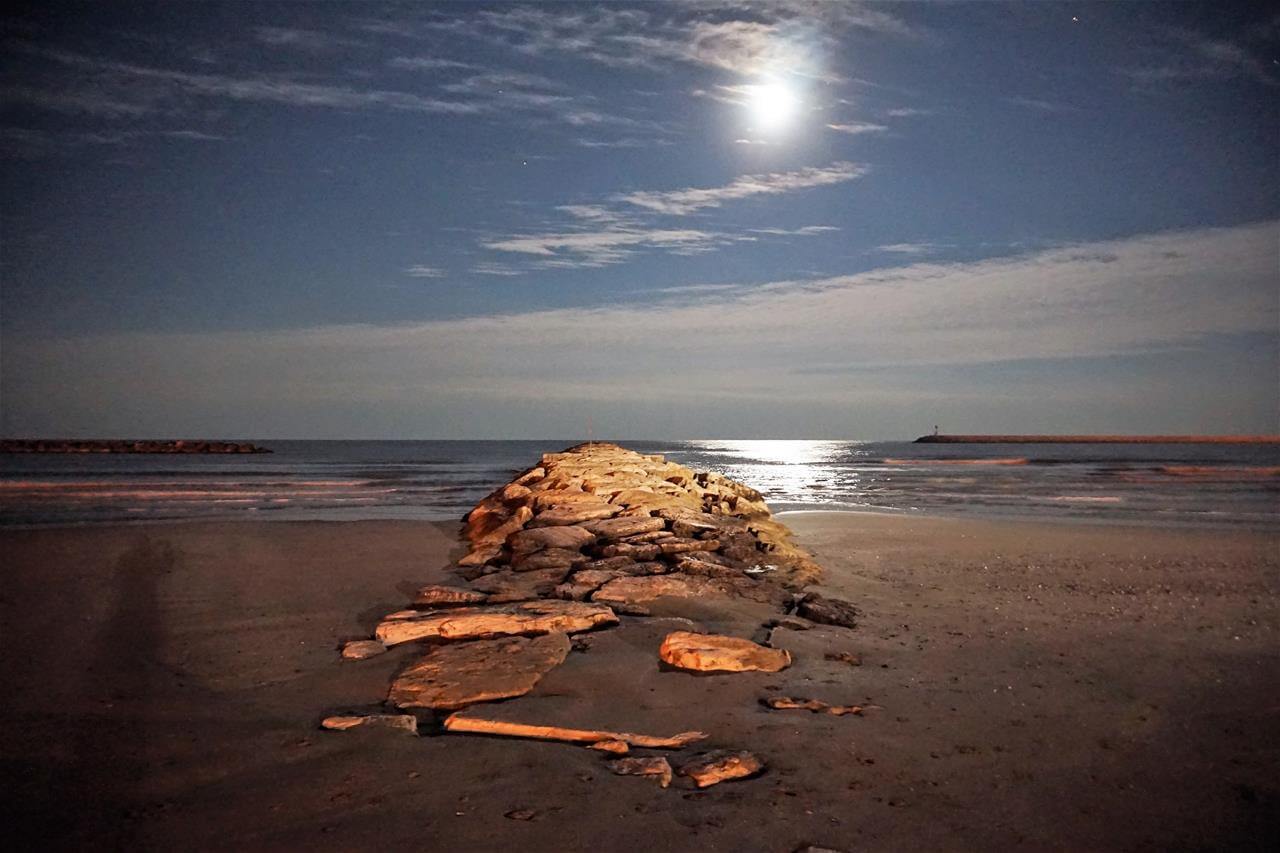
(772, 105)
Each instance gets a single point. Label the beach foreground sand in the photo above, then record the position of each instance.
(1040, 686)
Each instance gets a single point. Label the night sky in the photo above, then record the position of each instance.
(686, 220)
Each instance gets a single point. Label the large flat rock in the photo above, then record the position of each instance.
(491, 533)
(438, 595)
(828, 611)
(582, 584)
(549, 558)
(681, 585)
(570, 537)
(616, 528)
(527, 617)
(455, 676)
(718, 653)
(722, 765)
(639, 589)
(519, 585)
(573, 514)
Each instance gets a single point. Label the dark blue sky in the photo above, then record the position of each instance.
(687, 219)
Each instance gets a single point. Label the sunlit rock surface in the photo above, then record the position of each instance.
(472, 623)
(653, 766)
(712, 768)
(402, 722)
(605, 501)
(455, 676)
(714, 653)
(436, 595)
(362, 649)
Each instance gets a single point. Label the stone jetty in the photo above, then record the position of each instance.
(58, 445)
(605, 509)
(1097, 439)
(583, 541)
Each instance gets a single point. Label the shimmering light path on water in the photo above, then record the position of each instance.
(439, 480)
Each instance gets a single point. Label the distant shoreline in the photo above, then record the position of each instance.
(1098, 439)
(38, 445)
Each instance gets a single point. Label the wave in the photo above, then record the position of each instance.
(1088, 499)
(70, 485)
(1014, 460)
(1226, 471)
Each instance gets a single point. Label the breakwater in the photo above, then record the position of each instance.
(588, 540)
(41, 445)
(1098, 439)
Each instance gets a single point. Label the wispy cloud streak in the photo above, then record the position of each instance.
(260, 89)
(858, 128)
(601, 248)
(601, 235)
(424, 271)
(692, 199)
(744, 39)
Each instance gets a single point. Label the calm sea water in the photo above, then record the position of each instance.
(1145, 483)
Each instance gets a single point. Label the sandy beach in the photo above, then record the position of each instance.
(1040, 686)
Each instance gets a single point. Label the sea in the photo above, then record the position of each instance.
(1181, 485)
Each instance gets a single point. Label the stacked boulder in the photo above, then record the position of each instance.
(600, 522)
(563, 548)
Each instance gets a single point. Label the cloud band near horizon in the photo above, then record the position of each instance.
(727, 347)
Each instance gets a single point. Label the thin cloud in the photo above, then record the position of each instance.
(194, 135)
(261, 89)
(496, 269)
(32, 144)
(741, 39)
(427, 63)
(303, 39)
(90, 100)
(624, 142)
(124, 90)
(688, 289)
(423, 271)
(735, 96)
(586, 118)
(600, 248)
(1043, 105)
(908, 248)
(858, 128)
(595, 213)
(511, 90)
(804, 231)
(501, 90)
(601, 235)
(1188, 56)
(692, 199)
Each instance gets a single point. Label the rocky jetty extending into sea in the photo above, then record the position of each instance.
(59, 445)
(1097, 439)
(589, 539)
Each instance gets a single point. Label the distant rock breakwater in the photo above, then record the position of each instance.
(1097, 439)
(39, 445)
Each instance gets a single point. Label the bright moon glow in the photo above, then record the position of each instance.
(772, 105)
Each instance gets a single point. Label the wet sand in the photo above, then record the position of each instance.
(1040, 686)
